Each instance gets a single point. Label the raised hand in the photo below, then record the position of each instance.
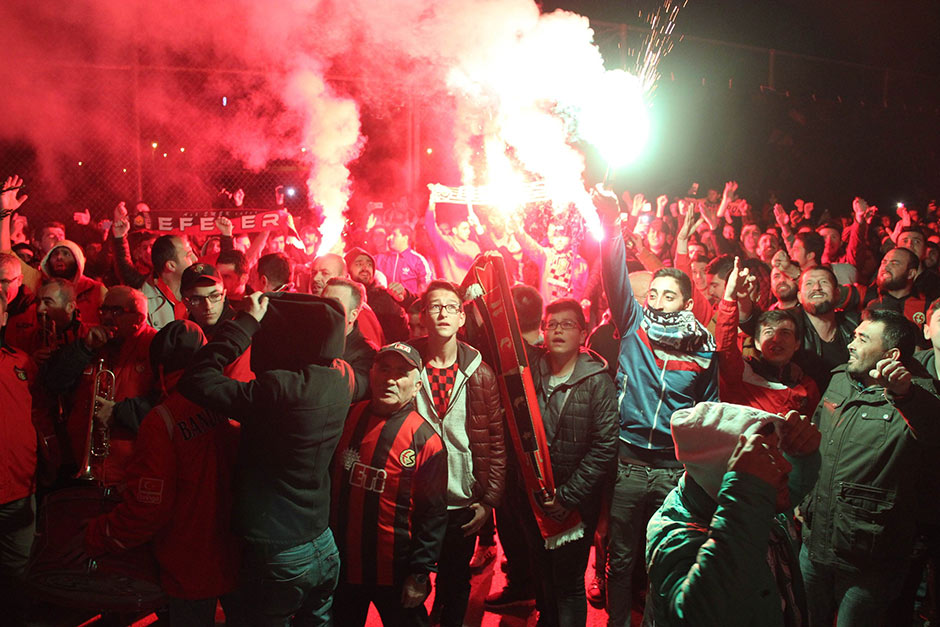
(759, 455)
(9, 199)
(892, 374)
(780, 214)
(239, 197)
(120, 224)
(257, 305)
(81, 217)
(689, 225)
(605, 201)
(225, 226)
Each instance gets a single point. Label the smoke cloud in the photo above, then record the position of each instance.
(299, 75)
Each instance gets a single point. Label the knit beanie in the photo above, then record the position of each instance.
(707, 434)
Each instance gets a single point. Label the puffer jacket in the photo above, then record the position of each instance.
(864, 509)
(581, 426)
(477, 390)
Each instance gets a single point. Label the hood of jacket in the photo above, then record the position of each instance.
(76, 251)
(589, 363)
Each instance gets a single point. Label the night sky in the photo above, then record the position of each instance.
(883, 33)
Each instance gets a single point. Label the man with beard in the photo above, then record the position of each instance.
(826, 330)
(122, 340)
(385, 304)
(878, 425)
(359, 352)
(67, 261)
(767, 246)
(926, 283)
(784, 287)
(327, 266)
(666, 362)
(895, 283)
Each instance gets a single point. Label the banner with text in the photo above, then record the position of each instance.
(202, 221)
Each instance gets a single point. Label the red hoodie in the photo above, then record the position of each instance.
(179, 496)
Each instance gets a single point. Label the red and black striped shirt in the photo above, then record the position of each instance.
(388, 509)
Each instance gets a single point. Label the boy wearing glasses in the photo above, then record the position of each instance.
(459, 397)
(203, 294)
(579, 411)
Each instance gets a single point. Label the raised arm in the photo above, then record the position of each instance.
(123, 263)
(625, 311)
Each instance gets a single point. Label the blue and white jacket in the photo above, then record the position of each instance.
(652, 381)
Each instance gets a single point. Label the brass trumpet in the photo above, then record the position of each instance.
(99, 435)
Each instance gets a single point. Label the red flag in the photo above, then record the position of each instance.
(488, 286)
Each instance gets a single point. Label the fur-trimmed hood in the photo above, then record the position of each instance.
(77, 252)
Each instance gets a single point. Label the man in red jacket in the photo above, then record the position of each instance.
(769, 381)
(17, 472)
(179, 492)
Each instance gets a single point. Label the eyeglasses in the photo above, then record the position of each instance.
(194, 300)
(449, 308)
(114, 311)
(566, 325)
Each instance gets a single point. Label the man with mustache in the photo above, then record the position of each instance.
(384, 302)
(122, 340)
(66, 260)
(879, 423)
(895, 286)
(827, 331)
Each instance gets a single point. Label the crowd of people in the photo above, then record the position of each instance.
(740, 404)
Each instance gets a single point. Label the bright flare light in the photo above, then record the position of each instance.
(616, 119)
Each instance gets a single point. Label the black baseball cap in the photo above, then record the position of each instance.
(199, 274)
(408, 352)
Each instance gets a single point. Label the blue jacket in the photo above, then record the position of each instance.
(652, 381)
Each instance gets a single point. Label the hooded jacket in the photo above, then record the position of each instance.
(291, 422)
(581, 426)
(475, 407)
(89, 293)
